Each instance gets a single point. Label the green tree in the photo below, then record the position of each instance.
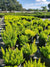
(30, 9)
(10, 5)
(49, 6)
(44, 8)
(1, 4)
(19, 7)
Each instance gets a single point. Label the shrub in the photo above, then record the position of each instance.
(42, 38)
(23, 39)
(12, 57)
(9, 36)
(46, 22)
(34, 64)
(40, 28)
(48, 42)
(30, 32)
(46, 32)
(29, 49)
(11, 66)
(45, 51)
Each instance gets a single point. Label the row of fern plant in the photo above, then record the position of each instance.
(21, 31)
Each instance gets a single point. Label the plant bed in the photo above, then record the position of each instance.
(20, 32)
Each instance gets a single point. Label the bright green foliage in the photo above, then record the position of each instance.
(25, 23)
(46, 32)
(40, 28)
(20, 28)
(9, 36)
(26, 28)
(46, 22)
(48, 27)
(30, 32)
(48, 42)
(12, 57)
(46, 51)
(34, 64)
(42, 38)
(29, 49)
(23, 39)
(11, 66)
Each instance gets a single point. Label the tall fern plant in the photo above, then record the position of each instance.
(9, 36)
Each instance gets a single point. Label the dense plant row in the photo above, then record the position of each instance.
(41, 14)
(20, 36)
(36, 14)
(24, 29)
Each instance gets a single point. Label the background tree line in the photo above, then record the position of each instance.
(10, 5)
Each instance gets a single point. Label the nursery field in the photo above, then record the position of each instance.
(26, 40)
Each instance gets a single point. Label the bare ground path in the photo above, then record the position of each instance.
(1, 43)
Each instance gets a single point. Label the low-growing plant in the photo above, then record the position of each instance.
(30, 33)
(11, 66)
(23, 39)
(40, 28)
(46, 32)
(48, 27)
(29, 49)
(20, 28)
(42, 39)
(48, 41)
(34, 64)
(46, 22)
(9, 36)
(12, 57)
(45, 51)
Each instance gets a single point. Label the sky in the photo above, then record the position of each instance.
(33, 4)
